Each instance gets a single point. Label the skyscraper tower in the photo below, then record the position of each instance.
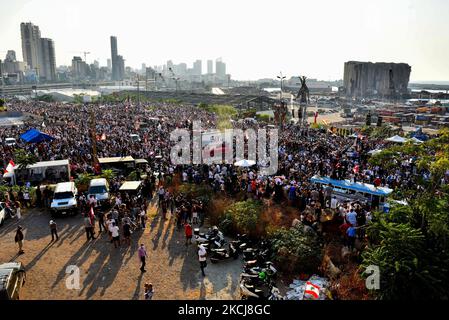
(31, 44)
(38, 53)
(48, 60)
(114, 60)
(210, 66)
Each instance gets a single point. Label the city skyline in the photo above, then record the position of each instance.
(256, 43)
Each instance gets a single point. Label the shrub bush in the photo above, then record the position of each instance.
(297, 249)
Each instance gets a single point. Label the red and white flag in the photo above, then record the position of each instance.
(10, 166)
(312, 289)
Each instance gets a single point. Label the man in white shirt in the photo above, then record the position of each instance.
(334, 203)
(202, 258)
(115, 235)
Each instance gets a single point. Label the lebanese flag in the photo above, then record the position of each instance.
(10, 166)
(356, 169)
(312, 289)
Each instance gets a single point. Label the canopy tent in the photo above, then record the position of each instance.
(416, 140)
(245, 163)
(397, 139)
(130, 185)
(35, 136)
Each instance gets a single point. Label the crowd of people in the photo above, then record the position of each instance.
(302, 154)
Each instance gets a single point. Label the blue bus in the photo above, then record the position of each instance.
(347, 190)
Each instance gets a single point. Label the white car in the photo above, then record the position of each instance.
(3, 214)
(99, 188)
(135, 137)
(10, 142)
(64, 199)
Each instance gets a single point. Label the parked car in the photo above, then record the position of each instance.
(12, 279)
(99, 188)
(135, 138)
(10, 142)
(64, 199)
(3, 213)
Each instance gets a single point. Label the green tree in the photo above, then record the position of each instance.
(108, 174)
(24, 158)
(243, 216)
(409, 269)
(298, 249)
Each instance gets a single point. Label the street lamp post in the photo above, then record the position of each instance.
(281, 78)
(280, 109)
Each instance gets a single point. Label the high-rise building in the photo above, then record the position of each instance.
(197, 68)
(31, 44)
(220, 68)
(47, 60)
(11, 56)
(120, 68)
(79, 68)
(38, 53)
(114, 59)
(210, 67)
(109, 64)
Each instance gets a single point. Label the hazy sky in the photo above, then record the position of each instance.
(256, 39)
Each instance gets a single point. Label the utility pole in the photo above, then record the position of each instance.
(85, 54)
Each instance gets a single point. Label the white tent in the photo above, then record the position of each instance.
(416, 140)
(245, 163)
(397, 139)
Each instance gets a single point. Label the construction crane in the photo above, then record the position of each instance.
(85, 53)
(174, 77)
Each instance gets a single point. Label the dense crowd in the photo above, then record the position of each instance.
(302, 153)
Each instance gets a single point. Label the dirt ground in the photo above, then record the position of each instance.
(109, 273)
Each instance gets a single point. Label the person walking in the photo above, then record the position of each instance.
(143, 217)
(19, 239)
(18, 211)
(101, 223)
(26, 198)
(142, 252)
(53, 231)
(127, 233)
(115, 232)
(188, 232)
(148, 295)
(202, 258)
(88, 227)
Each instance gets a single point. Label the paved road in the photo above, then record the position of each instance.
(109, 273)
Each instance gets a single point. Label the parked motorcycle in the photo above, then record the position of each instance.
(252, 288)
(212, 239)
(266, 267)
(223, 254)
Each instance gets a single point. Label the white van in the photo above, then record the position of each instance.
(99, 188)
(10, 142)
(64, 199)
(135, 138)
